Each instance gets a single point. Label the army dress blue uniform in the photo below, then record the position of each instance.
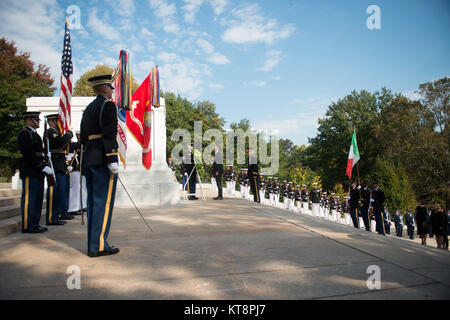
(409, 219)
(57, 196)
(100, 162)
(398, 221)
(30, 170)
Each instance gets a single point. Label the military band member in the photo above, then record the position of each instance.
(398, 221)
(262, 188)
(56, 195)
(32, 170)
(276, 192)
(298, 198)
(314, 197)
(269, 191)
(305, 201)
(100, 164)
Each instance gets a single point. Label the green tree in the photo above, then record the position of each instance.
(19, 79)
(84, 89)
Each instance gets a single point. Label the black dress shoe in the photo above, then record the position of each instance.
(32, 230)
(42, 228)
(57, 223)
(218, 198)
(67, 217)
(75, 213)
(193, 198)
(106, 252)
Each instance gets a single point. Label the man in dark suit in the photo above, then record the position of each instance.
(378, 198)
(253, 174)
(354, 204)
(191, 172)
(32, 169)
(100, 164)
(218, 170)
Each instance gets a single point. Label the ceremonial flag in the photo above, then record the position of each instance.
(353, 155)
(138, 119)
(155, 86)
(122, 98)
(64, 112)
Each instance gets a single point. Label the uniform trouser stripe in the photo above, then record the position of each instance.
(106, 215)
(50, 204)
(27, 199)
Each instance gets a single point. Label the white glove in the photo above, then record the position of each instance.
(185, 174)
(69, 156)
(114, 168)
(69, 168)
(359, 187)
(371, 200)
(47, 170)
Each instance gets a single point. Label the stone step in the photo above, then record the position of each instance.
(14, 210)
(8, 201)
(14, 224)
(5, 185)
(10, 192)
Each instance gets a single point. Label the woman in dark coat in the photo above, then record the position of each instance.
(421, 222)
(437, 222)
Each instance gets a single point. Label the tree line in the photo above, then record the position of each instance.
(403, 143)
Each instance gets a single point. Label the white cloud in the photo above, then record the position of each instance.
(218, 58)
(167, 57)
(101, 27)
(412, 95)
(216, 86)
(191, 8)
(273, 58)
(163, 9)
(205, 46)
(218, 6)
(259, 83)
(124, 8)
(250, 26)
(36, 27)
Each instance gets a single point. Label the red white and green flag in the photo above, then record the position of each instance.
(353, 156)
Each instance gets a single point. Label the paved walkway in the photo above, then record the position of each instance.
(230, 249)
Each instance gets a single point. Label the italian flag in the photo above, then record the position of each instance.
(353, 156)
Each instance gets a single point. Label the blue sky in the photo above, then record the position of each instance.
(277, 63)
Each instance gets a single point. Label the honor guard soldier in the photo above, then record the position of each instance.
(291, 197)
(233, 181)
(298, 198)
(387, 220)
(247, 185)
(378, 198)
(227, 177)
(276, 192)
(262, 188)
(314, 197)
(32, 170)
(325, 205)
(100, 164)
(304, 194)
(241, 179)
(284, 193)
(365, 197)
(354, 204)
(269, 191)
(56, 195)
(253, 174)
(398, 221)
(75, 176)
(339, 208)
(409, 219)
(333, 206)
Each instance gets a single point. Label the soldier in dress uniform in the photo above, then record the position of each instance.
(314, 197)
(409, 219)
(284, 193)
(387, 220)
(298, 198)
(304, 194)
(218, 171)
(57, 195)
(333, 206)
(269, 190)
(100, 164)
(354, 203)
(325, 205)
(365, 195)
(247, 185)
(291, 197)
(378, 198)
(276, 192)
(191, 171)
(262, 188)
(32, 170)
(233, 181)
(227, 177)
(241, 179)
(339, 208)
(398, 221)
(253, 174)
(75, 175)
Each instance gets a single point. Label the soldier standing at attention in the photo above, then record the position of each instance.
(378, 198)
(269, 191)
(314, 197)
(241, 179)
(409, 219)
(276, 192)
(253, 174)
(56, 195)
(304, 194)
(32, 170)
(354, 204)
(218, 170)
(100, 164)
(298, 198)
(262, 188)
(398, 220)
(233, 181)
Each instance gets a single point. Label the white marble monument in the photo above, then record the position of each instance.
(156, 186)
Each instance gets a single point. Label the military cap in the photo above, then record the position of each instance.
(303, 185)
(100, 80)
(333, 194)
(276, 178)
(270, 177)
(324, 192)
(31, 114)
(53, 116)
(298, 185)
(315, 183)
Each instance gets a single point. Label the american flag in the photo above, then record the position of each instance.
(64, 113)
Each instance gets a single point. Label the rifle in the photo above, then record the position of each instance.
(51, 181)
